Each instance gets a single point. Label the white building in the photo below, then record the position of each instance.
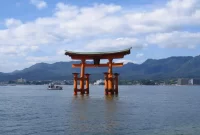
(21, 80)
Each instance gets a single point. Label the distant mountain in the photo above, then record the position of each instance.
(172, 67)
(190, 69)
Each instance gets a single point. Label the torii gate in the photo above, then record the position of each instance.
(111, 80)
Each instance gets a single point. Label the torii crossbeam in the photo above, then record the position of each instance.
(111, 80)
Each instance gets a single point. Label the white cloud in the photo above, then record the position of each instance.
(11, 22)
(7, 66)
(185, 5)
(113, 44)
(48, 59)
(175, 39)
(40, 4)
(17, 50)
(87, 21)
(27, 34)
(66, 11)
(61, 52)
(99, 24)
(125, 61)
(175, 14)
(139, 55)
(38, 59)
(60, 29)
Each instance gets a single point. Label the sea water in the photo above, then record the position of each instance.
(137, 110)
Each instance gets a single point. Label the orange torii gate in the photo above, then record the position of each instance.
(111, 80)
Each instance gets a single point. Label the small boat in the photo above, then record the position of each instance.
(52, 86)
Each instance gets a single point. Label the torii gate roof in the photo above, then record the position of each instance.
(99, 55)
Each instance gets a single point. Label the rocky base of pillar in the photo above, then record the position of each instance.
(82, 92)
(111, 92)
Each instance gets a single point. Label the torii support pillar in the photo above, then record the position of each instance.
(75, 83)
(110, 78)
(82, 77)
(87, 83)
(106, 83)
(116, 83)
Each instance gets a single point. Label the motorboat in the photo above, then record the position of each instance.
(52, 86)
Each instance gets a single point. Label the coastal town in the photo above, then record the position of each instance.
(179, 81)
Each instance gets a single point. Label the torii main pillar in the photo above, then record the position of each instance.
(111, 80)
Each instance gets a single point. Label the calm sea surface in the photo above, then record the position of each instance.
(138, 110)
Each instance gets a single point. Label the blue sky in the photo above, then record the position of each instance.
(33, 31)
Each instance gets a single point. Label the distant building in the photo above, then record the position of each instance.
(183, 81)
(191, 82)
(21, 80)
(99, 82)
(194, 81)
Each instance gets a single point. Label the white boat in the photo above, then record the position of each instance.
(52, 86)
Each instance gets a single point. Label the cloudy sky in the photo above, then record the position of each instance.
(33, 31)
